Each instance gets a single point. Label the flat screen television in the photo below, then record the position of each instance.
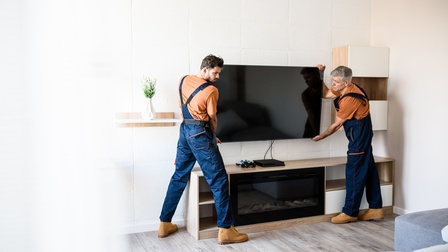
(259, 103)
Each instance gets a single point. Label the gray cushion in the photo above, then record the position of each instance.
(420, 230)
(445, 233)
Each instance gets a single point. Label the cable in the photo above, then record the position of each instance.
(270, 148)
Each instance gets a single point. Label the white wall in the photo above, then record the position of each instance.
(59, 60)
(170, 38)
(415, 31)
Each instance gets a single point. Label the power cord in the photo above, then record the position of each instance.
(270, 148)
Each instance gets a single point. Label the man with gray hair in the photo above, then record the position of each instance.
(353, 112)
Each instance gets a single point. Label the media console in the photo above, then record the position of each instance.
(200, 213)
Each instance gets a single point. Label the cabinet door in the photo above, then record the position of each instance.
(378, 112)
(365, 61)
(334, 200)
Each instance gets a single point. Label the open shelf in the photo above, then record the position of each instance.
(208, 223)
(339, 184)
(134, 119)
(335, 184)
(206, 198)
(376, 88)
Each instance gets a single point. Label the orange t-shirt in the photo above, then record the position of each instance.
(204, 103)
(351, 107)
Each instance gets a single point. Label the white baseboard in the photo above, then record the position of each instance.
(398, 210)
(149, 226)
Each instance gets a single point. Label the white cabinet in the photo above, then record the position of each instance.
(370, 66)
(365, 61)
(335, 185)
(334, 200)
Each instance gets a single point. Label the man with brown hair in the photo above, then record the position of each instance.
(198, 142)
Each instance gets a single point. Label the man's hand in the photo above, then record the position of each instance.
(321, 67)
(317, 138)
(217, 140)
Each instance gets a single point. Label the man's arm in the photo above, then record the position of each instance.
(213, 122)
(326, 92)
(332, 129)
(214, 125)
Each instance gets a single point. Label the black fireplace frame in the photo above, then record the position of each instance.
(317, 174)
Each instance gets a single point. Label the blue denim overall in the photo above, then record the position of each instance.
(361, 170)
(197, 142)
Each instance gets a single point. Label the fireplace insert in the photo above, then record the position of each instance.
(277, 195)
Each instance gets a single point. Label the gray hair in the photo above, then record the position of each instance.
(344, 72)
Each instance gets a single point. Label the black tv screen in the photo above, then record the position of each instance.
(258, 103)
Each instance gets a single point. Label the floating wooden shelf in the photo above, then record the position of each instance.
(134, 119)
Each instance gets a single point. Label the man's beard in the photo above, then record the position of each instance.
(210, 80)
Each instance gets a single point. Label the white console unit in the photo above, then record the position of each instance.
(200, 212)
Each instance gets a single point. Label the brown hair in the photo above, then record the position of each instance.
(212, 61)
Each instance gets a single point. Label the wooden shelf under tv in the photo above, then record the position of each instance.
(199, 196)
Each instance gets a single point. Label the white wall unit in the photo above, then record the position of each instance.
(370, 66)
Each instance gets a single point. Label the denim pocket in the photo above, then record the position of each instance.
(198, 138)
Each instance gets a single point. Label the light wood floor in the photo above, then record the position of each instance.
(324, 236)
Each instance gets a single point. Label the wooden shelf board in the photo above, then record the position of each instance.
(339, 184)
(290, 165)
(208, 223)
(206, 198)
(336, 184)
(134, 119)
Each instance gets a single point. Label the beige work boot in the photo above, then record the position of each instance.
(343, 218)
(372, 214)
(230, 235)
(166, 228)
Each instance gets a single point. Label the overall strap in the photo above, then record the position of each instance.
(362, 97)
(180, 89)
(200, 88)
